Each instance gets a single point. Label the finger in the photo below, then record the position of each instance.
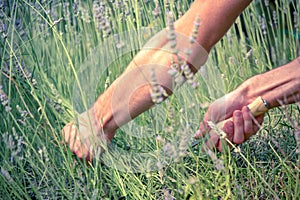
(220, 144)
(83, 154)
(213, 140)
(80, 149)
(229, 130)
(238, 121)
(74, 139)
(248, 124)
(89, 152)
(203, 129)
(66, 132)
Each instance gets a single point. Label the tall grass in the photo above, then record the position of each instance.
(45, 44)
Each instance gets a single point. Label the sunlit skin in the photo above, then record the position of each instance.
(106, 116)
(280, 86)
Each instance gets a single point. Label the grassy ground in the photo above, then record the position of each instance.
(46, 45)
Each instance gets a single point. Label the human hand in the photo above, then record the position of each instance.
(85, 137)
(241, 126)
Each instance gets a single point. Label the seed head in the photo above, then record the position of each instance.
(275, 19)
(170, 150)
(156, 12)
(263, 25)
(295, 14)
(6, 175)
(194, 34)
(157, 92)
(4, 100)
(267, 3)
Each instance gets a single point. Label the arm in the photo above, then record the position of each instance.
(280, 86)
(129, 95)
(216, 18)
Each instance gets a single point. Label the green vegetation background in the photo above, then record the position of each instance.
(43, 44)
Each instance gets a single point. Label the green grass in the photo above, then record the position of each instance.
(54, 41)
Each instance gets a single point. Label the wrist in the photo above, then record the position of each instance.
(103, 115)
(243, 94)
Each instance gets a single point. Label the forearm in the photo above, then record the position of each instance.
(129, 95)
(278, 86)
(217, 16)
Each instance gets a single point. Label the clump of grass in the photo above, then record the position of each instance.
(43, 46)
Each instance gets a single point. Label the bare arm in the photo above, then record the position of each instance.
(217, 16)
(124, 101)
(280, 86)
(129, 95)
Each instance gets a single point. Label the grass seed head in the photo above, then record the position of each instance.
(263, 24)
(157, 92)
(170, 150)
(275, 19)
(156, 12)
(168, 195)
(4, 100)
(267, 3)
(194, 34)
(295, 16)
(6, 174)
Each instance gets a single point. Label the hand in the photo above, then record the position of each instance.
(240, 129)
(85, 137)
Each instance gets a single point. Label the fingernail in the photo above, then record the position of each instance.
(197, 134)
(238, 114)
(246, 108)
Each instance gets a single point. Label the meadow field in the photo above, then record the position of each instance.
(57, 56)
